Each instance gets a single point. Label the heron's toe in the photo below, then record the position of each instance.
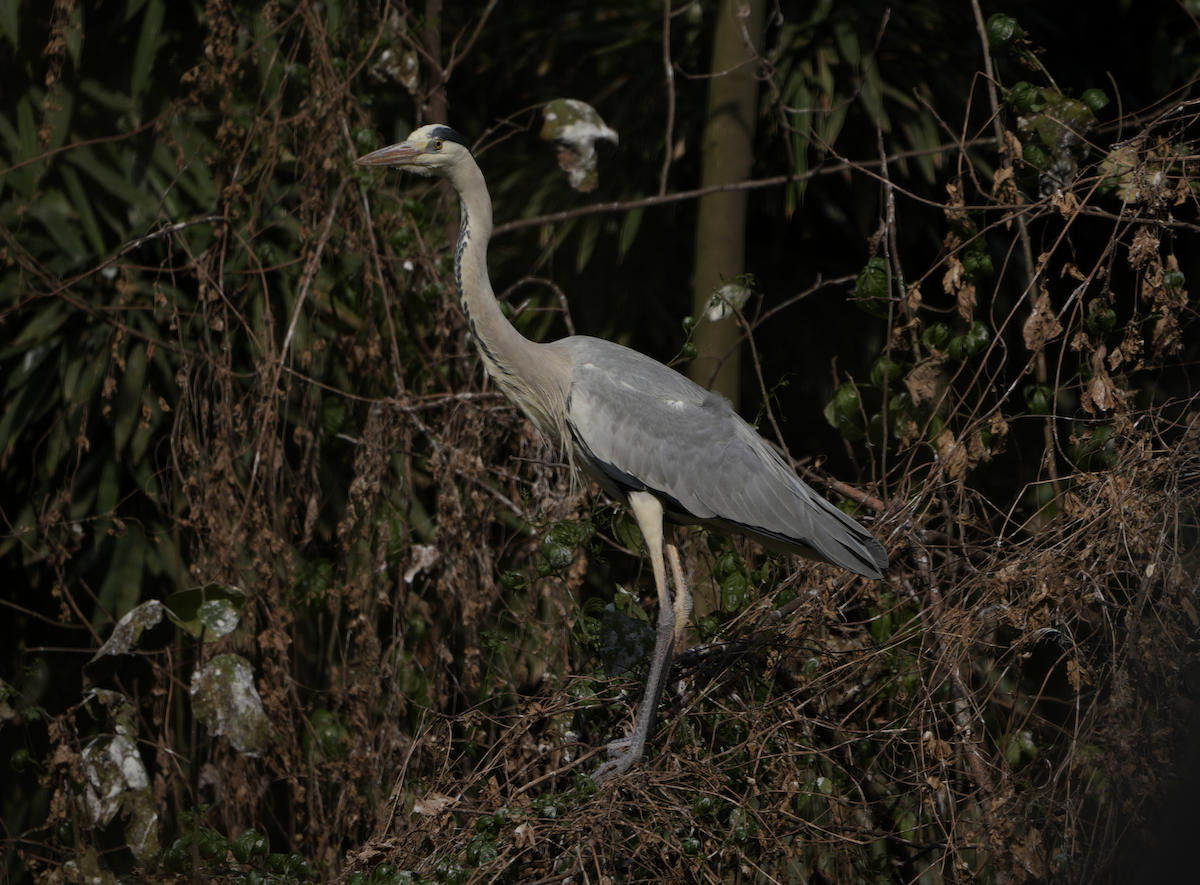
(619, 747)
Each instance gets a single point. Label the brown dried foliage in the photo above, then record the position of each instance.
(1006, 698)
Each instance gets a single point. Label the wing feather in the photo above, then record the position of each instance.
(638, 425)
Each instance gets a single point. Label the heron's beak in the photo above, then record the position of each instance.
(403, 154)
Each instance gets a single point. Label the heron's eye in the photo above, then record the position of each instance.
(437, 144)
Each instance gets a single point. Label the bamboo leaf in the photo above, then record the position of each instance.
(116, 183)
(629, 229)
(847, 41)
(71, 376)
(102, 95)
(169, 562)
(11, 139)
(54, 212)
(83, 207)
(144, 431)
(23, 525)
(58, 116)
(587, 243)
(59, 441)
(27, 369)
(147, 47)
(131, 9)
(130, 406)
(9, 22)
(193, 179)
(74, 35)
(21, 410)
(27, 129)
(872, 97)
(336, 16)
(44, 324)
(108, 490)
(90, 378)
(123, 583)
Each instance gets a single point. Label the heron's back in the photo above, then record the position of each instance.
(637, 425)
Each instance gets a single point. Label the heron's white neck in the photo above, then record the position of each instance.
(521, 369)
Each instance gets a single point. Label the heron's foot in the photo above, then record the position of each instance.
(622, 755)
(619, 747)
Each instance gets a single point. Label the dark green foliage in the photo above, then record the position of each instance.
(236, 390)
(1003, 31)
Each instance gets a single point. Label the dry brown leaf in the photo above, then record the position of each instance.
(953, 275)
(955, 282)
(1101, 394)
(1129, 351)
(999, 428)
(1065, 203)
(526, 835)
(1077, 675)
(924, 382)
(1012, 145)
(1167, 335)
(1004, 188)
(433, 804)
(1042, 325)
(966, 301)
(955, 456)
(1005, 191)
(1031, 853)
(976, 451)
(1144, 248)
(936, 747)
(952, 455)
(955, 209)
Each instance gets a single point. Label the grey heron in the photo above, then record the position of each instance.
(651, 438)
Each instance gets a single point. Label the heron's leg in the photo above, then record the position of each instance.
(649, 515)
(683, 596)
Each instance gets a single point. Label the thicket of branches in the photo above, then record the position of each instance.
(296, 594)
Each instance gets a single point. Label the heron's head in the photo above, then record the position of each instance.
(430, 150)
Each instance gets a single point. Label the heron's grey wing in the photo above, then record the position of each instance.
(637, 425)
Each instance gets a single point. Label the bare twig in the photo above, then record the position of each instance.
(669, 74)
(834, 168)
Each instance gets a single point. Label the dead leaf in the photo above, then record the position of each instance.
(525, 837)
(955, 282)
(433, 804)
(1065, 202)
(1189, 610)
(1144, 248)
(1030, 852)
(955, 208)
(966, 301)
(1042, 325)
(936, 747)
(924, 382)
(1004, 190)
(1077, 675)
(1101, 394)
(425, 557)
(953, 275)
(999, 428)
